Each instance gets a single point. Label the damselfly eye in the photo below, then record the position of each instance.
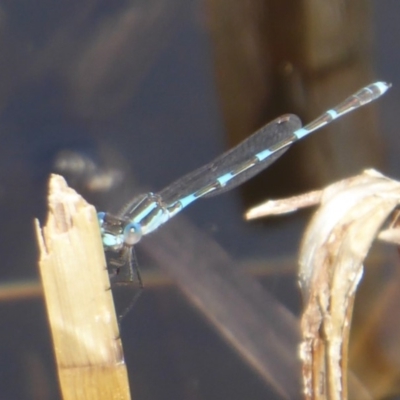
(132, 234)
(100, 217)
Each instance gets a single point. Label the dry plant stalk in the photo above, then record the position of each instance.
(333, 250)
(334, 247)
(79, 302)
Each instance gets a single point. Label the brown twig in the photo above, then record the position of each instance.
(79, 302)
